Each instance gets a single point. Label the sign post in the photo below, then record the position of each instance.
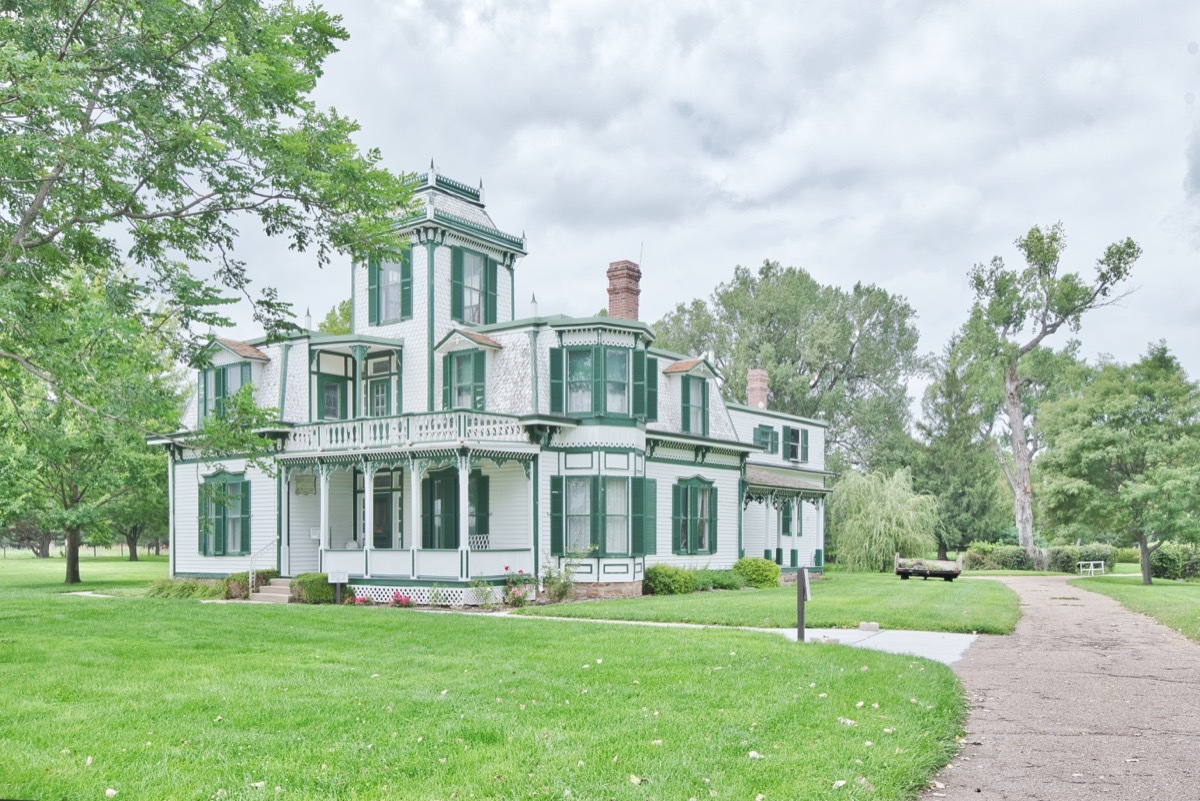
(338, 578)
(803, 593)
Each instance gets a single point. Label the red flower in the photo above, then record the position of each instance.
(506, 568)
(520, 571)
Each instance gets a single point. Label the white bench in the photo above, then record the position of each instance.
(1090, 568)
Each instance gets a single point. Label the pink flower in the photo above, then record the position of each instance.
(520, 571)
(506, 568)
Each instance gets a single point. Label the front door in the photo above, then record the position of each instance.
(382, 536)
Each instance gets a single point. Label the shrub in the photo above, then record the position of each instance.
(974, 560)
(235, 583)
(718, 580)
(516, 587)
(558, 581)
(1011, 557)
(757, 572)
(313, 588)
(401, 600)
(668, 580)
(1064, 558)
(1129, 556)
(1098, 552)
(1174, 560)
(185, 588)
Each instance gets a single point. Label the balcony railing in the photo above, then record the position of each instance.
(406, 431)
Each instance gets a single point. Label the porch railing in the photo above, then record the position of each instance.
(406, 431)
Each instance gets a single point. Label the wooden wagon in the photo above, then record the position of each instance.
(928, 568)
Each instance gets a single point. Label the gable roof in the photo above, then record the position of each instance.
(242, 349)
(474, 337)
(682, 367)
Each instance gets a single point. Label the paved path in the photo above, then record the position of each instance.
(1085, 701)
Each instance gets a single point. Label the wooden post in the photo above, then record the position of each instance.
(802, 595)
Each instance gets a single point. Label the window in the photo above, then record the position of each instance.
(602, 516)
(225, 515)
(694, 517)
(579, 381)
(596, 380)
(767, 438)
(439, 510)
(389, 288)
(616, 381)
(379, 397)
(217, 384)
(579, 515)
(785, 519)
(331, 397)
(464, 380)
(694, 405)
(795, 444)
(478, 514)
(473, 279)
(386, 499)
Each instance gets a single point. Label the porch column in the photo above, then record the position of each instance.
(464, 516)
(358, 408)
(323, 479)
(368, 515)
(412, 534)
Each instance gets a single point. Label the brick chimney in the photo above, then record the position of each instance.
(623, 290)
(756, 388)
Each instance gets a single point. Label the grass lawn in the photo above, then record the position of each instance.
(1172, 603)
(176, 699)
(839, 600)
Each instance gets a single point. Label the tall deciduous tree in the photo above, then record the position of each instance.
(1013, 314)
(955, 464)
(146, 131)
(874, 516)
(841, 355)
(338, 319)
(1125, 454)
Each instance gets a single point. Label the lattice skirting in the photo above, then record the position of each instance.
(433, 596)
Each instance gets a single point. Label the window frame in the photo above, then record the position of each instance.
(488, 286)
(686, 517)
(795, 444)
(212, 386)
(640, 372)
(378, 289)
(477, 386)
(216, 523)
(640, 516)
(692, 387)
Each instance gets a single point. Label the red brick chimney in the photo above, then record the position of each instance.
(623, 290)
(756, 388)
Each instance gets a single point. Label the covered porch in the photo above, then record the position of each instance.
(783, 517)
(445, 517)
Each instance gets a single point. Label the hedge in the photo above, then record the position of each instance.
(1173, 560)
(668, 580)
(757, 572)
(312, 588)
(235, 583)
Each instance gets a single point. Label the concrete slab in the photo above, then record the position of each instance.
(938, 646)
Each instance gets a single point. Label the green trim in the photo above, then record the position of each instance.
(557, 321)
(616, 421)
(279, 521)
(397, 581)
(741, 514)
(512, 292)
(206, 575)
(778, 415)
(284, 350)
(171, 527)
(537, 492)
(354, 294)
(430, 255)
(698, 465)
(200, 460)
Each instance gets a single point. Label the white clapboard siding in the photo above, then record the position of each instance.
(508, 502)
(304, 515)
(728, 507)
(186, 555)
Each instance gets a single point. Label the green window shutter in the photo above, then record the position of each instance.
(651, 389)
(787, 442)
(712, 519)
(639, 383)
(373, 290)
(650, 538)
(704, 407)
(479, 370)
(598, 393)
(205, 522)
(218, 391)
(597, 516)
(447, 379)
(677, 513)
(762, 437)
(774, 446)
(245, 500)
(246, 374)
(201, 396)
(556, 515)
(406, 283)
(691, 512)
(489, 290)
(786, 516)
(427, 512)
(637, 515)
(456, 284)
(557, 389)
(399, 405)
(482, 505)
(449, 490)
(804, 444)
(685, 404)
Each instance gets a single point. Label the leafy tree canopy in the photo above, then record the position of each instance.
(844, 356)
(338, 319)
(1125, 454)
(874, 516)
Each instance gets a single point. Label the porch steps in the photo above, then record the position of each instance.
(275, 592)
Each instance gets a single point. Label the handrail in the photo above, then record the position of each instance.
(253, 558)
(407, 430)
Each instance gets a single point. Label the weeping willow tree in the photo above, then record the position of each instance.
(876, 515)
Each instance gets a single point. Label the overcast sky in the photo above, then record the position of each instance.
(890, 143)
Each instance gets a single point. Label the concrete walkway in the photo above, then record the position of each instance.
(935, 645)
(1085, 701)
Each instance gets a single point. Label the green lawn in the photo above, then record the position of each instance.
(1172, 603)
(177, 699)
(839, 600)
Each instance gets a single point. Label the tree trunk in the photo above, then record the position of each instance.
(131, 539)
(73, 538)
(1020, 481)
(158, 546)
(942, 557)
(1144, 547)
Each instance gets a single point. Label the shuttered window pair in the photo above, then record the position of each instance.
(390, 288)
(473, 284)
(599, 380)
(439, 510)
(694, 517)
(464, 380)
(694, 405)
(225, 515)
(602, 516)
(795, 443)
(217, 384)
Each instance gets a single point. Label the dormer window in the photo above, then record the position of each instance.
(464, 380)
(694, 405)
(218, 384)
(600, 380)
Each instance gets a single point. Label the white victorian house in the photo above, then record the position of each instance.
(445, 440)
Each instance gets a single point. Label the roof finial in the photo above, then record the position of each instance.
(431, 163)
(533, 307)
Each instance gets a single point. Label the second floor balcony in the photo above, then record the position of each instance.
(400, 432)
